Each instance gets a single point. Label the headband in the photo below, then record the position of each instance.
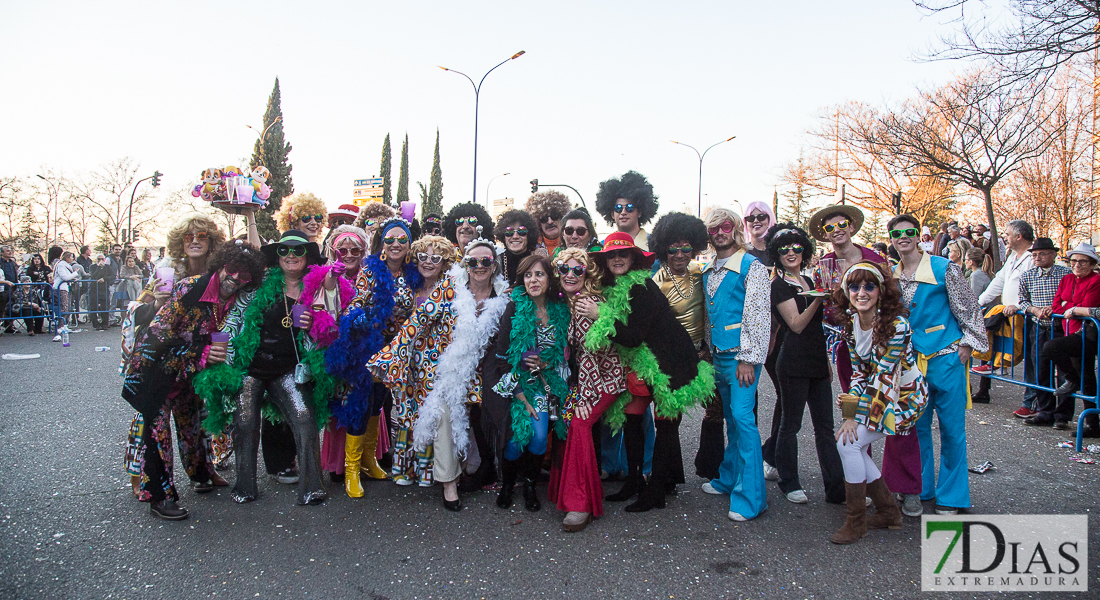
(346, 234)
(397, 222)
(292, 238)
(784, 232)
(861, 267)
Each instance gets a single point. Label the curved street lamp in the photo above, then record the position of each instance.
(477, 98)
(488, 198)
(55, 193)
(701, 156)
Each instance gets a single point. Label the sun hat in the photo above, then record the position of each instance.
(853, 214)
(292, 237)
(622, 241)
(1085, 249)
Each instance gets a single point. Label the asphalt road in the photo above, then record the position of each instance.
(69, 527)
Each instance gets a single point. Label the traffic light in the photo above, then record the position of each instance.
(156, 178)
(534, 186)
(897, 203)
(125, 234)
(134, 235)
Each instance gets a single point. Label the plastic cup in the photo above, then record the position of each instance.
(168, 276)
(296, 312)
(219, 339)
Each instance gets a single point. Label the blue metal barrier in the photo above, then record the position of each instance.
(1008, 374)
(51, 309)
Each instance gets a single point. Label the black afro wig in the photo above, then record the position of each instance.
(674, 227)
(467, 209)
(785, 234)
(518, 218)
(632, 186)
(239, 255)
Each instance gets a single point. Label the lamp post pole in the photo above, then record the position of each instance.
(130, 211)
(56, 217)
(477, 99)
(542, 185)
(701, 157)
(488, 198)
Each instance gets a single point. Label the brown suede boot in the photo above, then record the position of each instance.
(855, 526)
(887, 515)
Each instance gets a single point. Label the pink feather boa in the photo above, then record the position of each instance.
(324, 329)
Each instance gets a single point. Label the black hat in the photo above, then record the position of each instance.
(292, 237)
(1043, 244)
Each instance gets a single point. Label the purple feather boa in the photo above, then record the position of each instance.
(324, 330)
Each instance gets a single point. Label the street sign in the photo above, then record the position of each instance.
(375, 181)
(365, 190)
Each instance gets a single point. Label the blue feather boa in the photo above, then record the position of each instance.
(362, 335)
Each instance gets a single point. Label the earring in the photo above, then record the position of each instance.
(383, 256)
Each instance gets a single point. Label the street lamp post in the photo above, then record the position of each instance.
(130, 212)
(535, 186)
(701, 157)
(488, 198)
(477, 98)
(56, 217)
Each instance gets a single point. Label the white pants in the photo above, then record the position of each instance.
(447, 465)
(858, 466)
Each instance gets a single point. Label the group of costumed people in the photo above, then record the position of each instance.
(471, 353)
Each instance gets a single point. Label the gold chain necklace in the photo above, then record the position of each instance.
(676, 284)
(287, 321)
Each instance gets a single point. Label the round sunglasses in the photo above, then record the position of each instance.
(308, 218)
(469, 220)
(725, 227)
(581, 231)
(628, 207)
(473, 262)
(796, 248)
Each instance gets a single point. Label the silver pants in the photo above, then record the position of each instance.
(289, 398)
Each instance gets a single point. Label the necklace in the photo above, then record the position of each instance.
(676, 284)
(287, 321)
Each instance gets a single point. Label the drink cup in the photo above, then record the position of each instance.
(296, 312)
(219, 339)
(168, 276)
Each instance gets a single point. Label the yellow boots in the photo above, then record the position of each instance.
(369, 464)
(353, 453)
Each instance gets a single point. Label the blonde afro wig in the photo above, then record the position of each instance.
(298, 206)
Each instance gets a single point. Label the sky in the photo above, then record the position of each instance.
(602, 88)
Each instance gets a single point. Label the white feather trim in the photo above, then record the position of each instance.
(457, 367)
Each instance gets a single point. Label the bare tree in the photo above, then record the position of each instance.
(973, 132)
(106, 194)
(13, 207)
(1041, 36)
(839, 155)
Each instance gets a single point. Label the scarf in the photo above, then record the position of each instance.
(525, 324)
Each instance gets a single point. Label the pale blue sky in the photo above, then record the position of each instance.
(602, 89)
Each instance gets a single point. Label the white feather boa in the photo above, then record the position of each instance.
(457, 366)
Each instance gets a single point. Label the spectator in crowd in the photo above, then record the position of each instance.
(63, 277)
(1078, 296)
(1004, 289)
(953, 233)
(146, 264)
(956, 251)
(9, 274)
(977, 265)
(86, 263)
(103, 278)
(130, 279)
(27, 302)
(926, 243)
(1037, 288)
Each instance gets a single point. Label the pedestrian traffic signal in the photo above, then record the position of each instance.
(156, 178)
(534, 186)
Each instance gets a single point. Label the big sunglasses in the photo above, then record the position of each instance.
(474, 262)
(754, 218)
(834, 226)
(307, 218)
(470, 220)
(578, 270)
(424, 257)
(726, 227)
(511, 232)
(581, 231)
(900, 233)
(288, 250)
(628, 207)
(201, 236)
(389, 239)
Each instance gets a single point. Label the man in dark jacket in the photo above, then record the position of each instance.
(99, 291)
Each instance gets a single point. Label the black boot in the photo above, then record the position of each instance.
(712, 447)
(508, 470)
(532, 466)
(634, 440)
(667, 467)
(486, 473)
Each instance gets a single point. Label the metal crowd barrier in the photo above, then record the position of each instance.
(50, 302)
(1008, 374)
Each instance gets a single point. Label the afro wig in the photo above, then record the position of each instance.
(676, 226)
(298, 206)
(633, 187)
(375, 211)
(518, 218)
(783, 234)
(550, 203)
(467, 209)
(239, 256)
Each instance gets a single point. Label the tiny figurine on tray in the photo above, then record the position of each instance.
(230, 188)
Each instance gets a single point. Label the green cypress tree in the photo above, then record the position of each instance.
(384, 172)
(434, 203)
(271, 152)
(403, 178)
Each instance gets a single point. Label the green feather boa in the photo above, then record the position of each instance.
(220, 384)
(522, 339)
(669, 403)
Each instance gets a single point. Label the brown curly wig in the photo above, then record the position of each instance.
(890, 305)
(440, 245)
(592, 276)
(298, 206)
(550, 203)
(201, 223)
(376, 211)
